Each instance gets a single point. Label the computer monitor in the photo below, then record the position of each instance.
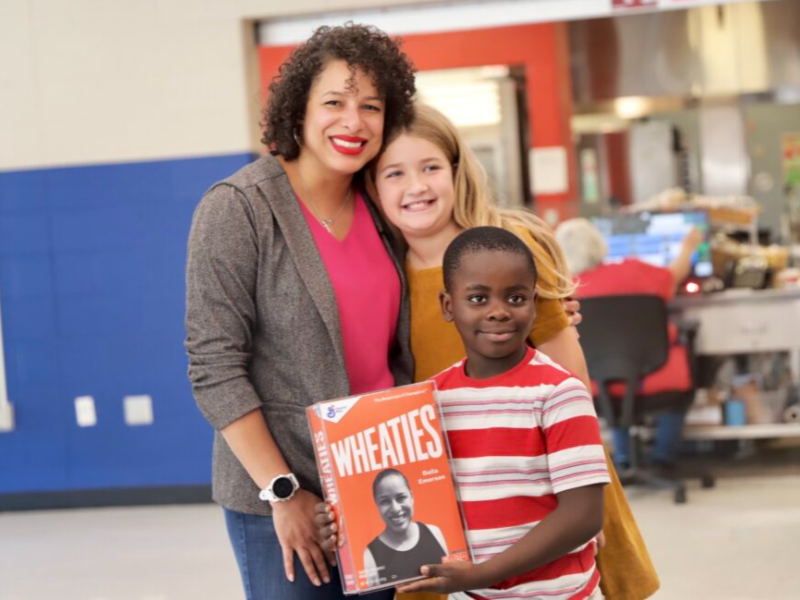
(655, 238)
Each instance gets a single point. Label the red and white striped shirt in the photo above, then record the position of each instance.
(517, 440)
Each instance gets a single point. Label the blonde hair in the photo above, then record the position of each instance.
(474, 202)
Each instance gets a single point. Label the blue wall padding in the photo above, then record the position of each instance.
(92, 288)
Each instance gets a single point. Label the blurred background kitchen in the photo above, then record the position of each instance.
(647, 116)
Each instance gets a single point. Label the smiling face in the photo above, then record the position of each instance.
(414, 180)
(492, 303)
(343, 124)
(395, 503)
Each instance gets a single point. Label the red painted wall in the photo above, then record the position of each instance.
(619, 177)
(541, 49)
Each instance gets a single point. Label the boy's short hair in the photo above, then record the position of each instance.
(479, 239)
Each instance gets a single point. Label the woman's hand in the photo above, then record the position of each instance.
(325, 520)
(296, 531)
(573, 308)
(447, 578)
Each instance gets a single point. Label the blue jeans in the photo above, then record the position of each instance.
(258, 554)
(669, 433)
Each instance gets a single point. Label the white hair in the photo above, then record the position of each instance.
(583, 245)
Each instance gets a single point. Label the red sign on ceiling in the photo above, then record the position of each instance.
(632, 4)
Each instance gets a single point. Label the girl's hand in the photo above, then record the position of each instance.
(573, 308)
(601, 543)
(325, 520)
(296, 531)
(447, 578)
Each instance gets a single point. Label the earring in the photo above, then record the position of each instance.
(296, 137)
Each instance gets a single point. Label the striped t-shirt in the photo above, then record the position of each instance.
(517, 440)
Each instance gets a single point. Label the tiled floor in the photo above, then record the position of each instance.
(740, 541)
(158, 553)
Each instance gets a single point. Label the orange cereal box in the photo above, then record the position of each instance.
(384, 465)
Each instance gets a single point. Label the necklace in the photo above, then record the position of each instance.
(326, 223)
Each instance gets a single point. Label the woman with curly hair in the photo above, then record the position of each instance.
(294, 295)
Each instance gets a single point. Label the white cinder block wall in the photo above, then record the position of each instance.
(96, 81)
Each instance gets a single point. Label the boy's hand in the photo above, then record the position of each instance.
(325, 520)
(447, 578)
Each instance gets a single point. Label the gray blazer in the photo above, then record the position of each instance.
(263, 325)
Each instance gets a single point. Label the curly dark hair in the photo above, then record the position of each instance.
(363, 47)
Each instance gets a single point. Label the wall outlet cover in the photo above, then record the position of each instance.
(85, 412)
(138, 410)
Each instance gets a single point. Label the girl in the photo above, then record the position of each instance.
(431, 187)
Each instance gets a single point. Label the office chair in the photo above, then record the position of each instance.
(624, 339)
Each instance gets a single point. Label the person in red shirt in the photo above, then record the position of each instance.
(585, 250)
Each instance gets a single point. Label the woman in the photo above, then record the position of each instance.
(430, 187)
(279, 312)
(405, 544)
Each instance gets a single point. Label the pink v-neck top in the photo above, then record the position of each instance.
(367, 289)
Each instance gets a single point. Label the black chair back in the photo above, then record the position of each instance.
(624, 338)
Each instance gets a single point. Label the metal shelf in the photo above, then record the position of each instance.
(745, 432)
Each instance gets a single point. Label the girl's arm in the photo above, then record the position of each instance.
(565, 349)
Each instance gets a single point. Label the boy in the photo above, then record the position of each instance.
(527, 454)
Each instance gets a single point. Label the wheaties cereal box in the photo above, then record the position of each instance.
(385, 468)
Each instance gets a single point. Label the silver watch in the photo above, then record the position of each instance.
(280, 489)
